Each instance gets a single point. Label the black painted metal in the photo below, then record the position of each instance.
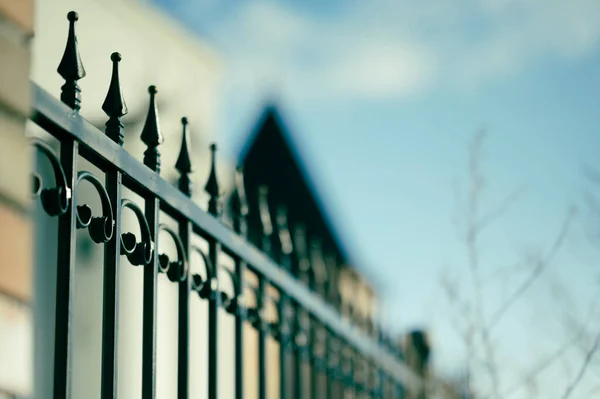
(285, 250)
(65, 275)
(309, 330)
(114, 107)
(212, 188)
(300, 270)
(240, 213)
(267, 231)
(71, 67)
(184, 166)
(152, 137)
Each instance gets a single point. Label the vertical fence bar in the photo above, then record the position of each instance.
(300, 268)
(328, 364)
(314, 377)
(65, 273)
(283, 345)
(299, 347)
(382, 383)
(267, 231)
(400, 391)
(382, 375)
(71, 69)
(152, 137)
(350, 380)
(262, 339)
(240, 212)
(286, 249)
(184, 167)
(330, 287)
(212, 188)
(318, 284)
(114, 106)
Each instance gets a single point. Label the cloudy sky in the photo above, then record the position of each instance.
(384, 97)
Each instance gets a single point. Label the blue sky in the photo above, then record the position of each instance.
(384, 97)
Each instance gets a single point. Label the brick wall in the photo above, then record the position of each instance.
(16, 340)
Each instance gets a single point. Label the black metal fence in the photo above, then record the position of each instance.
(307, 328)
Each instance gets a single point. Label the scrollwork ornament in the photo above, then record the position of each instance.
(55, 200)
(139, 253)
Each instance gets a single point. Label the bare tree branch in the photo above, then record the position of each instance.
(582, 369)
(541, 265)
(542, 365)
(497, 212)
(477, 332)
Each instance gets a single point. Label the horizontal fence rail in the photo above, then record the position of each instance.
(309, 329)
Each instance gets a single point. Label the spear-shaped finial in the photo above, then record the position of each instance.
(331, 286)
(285, 238)
(151, 134)
(302, 264)
(265, 218)
(319, 271)
(71, 67)
(184, 163)
(114, 104)
(212, 185)
(239, 204)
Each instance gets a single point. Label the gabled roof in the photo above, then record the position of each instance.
(270, 131)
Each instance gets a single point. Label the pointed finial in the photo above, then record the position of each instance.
(302, 264)
(239, 204)
(71, 67)
(331, 285)
(285, 238)
(114, 104)
(151, 134)
(265, 217)
(319, 271)
(212, 185)
(184, 164)
(300, 239)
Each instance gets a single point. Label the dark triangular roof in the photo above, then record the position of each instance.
(271, 139)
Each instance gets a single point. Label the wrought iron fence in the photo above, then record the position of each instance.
(307, 328)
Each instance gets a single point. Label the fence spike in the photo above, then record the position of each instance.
(239, 203)
(114, 105)
(212, 185)
(71, 68)
(265, 218)
(301, 264)
(151, 134)
(184, 163)
(285, 238)
(317, 263)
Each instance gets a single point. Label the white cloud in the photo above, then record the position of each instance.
(380, 70)
(385, 48)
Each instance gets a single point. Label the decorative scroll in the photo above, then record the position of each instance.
(232, 304)
(55, 200)
(205, 288)
(100, 228)
(139, 253)
(177, 270)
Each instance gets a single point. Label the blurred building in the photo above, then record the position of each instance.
(16, 223)
(271, 161)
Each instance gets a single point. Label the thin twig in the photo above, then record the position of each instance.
(542, 264)
(582, 369)
(540, 367)
(500, 210)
